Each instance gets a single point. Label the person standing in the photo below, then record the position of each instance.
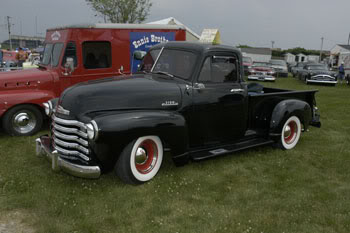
(21, 57)
(341, 72)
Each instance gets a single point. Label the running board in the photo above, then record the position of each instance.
(227, 149)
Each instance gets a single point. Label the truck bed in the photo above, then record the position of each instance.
(263, 101)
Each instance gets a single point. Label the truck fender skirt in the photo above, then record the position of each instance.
(123, 127)
(287, 108)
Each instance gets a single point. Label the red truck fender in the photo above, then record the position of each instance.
(21, 112)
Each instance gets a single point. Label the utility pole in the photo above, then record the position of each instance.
(321, 49)
(9, 30)
(349, 38)
(272, 43)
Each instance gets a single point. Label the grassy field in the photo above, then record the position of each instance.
(306, 189)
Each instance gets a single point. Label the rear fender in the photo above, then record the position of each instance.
(284, 110)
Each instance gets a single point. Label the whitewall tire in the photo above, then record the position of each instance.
(290, 134)
(140, 161)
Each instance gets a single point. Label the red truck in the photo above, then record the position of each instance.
(74, 54)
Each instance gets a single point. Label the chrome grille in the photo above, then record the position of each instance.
(70, 138)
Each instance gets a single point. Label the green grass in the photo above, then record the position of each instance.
(306, 189)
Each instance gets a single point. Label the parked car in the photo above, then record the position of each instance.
(261, 71)
(247, 64)
(190, 98)
(280, 67)
(290, 65)
(317, 73)
(295, 70)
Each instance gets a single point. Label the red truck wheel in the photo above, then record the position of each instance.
(140, 160)
(22, 120)
(290, 134)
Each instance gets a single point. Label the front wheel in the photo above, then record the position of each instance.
(140, 160)
(22, 120)
(290, 134)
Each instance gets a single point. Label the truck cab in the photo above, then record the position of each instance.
(74, 54)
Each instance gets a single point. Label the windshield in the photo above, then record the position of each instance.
(54, 50)
(247, 60)
(261, 64)
(278, 62)
(319, 67)
(148, 60)
(179, 63)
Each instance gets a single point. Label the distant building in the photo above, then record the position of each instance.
(289, 57)
(338, 54)
(313, 58)
(257, 54)
(23, 41)
(190, 35)
(300, 57)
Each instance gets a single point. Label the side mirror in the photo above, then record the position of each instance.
(68, 66)
(138, 55)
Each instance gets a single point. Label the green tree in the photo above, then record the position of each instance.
(121, 11)
(243, 46)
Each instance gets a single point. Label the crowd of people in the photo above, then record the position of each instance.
(10, 60)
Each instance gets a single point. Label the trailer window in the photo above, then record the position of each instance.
(97, 54)
(71, 52)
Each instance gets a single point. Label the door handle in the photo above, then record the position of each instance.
(239, 90)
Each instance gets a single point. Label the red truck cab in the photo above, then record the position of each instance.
(74, 54)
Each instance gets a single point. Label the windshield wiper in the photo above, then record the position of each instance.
(163, 72)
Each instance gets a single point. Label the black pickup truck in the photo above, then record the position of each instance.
(188, 98)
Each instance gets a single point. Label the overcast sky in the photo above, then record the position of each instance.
(297, 23)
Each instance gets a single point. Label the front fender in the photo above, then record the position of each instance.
(116, 130)
(284, 110)
(14, 97)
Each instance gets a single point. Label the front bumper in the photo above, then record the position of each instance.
(262, 78)
(43, 148)
(320, 80)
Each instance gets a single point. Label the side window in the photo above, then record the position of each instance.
(219, 69)
(71, 52)
(97, 54)
(205, 74)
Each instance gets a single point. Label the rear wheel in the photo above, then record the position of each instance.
(22, 120)
(140, 160)
(290, 134)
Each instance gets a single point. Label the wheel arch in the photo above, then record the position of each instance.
(287, 108)
(117, 130)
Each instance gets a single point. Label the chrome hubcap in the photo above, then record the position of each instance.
(141, 156)
(146, 156)
(287, 132)
(24, 122)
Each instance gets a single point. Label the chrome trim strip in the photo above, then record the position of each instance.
(70, 130)
(69, 152)
(70, 137)
(69, 122)
(43, 149)
(71, 145)
(320, 81)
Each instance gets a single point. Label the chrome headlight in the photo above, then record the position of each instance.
(48, 108)
(92, 130)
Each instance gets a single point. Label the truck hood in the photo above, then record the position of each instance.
(24, 78)
(138, 92)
